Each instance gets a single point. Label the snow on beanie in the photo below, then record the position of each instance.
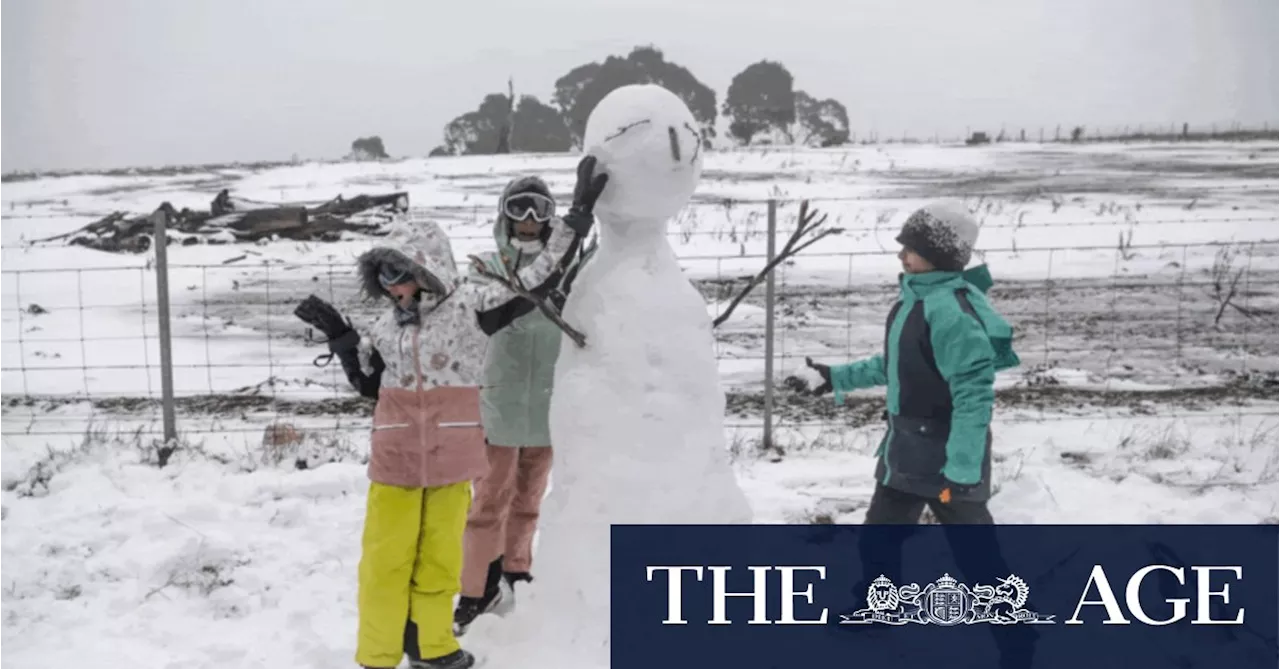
(943, 233)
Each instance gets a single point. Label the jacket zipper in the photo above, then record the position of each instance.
(888, 444)
(391, 426)
(422, 408)
(530, 362)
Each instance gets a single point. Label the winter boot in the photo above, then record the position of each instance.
(458, 659)
(509, 580)
(512, 577)
(496, 599)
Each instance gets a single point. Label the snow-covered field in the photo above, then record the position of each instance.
(1144, 395)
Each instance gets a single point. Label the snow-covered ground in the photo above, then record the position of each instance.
(1133, 405)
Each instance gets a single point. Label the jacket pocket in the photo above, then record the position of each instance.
(456, 437)
(918, 449)
(452, 434)
(394, 425)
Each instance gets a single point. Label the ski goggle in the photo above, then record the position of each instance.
(393, 276)
(529, 205)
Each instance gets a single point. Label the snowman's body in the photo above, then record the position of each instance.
(637, 416)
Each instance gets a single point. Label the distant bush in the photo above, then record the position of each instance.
(368, 148)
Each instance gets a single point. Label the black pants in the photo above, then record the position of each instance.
(894, 507)
(978, 554)
(881, 550)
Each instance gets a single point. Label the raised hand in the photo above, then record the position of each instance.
(322, 316)
(586, 191)
(825, 372)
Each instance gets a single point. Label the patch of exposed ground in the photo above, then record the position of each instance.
(791, 403)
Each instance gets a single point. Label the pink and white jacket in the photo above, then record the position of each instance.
(426, 425)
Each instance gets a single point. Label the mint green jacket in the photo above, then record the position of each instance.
(519, 364)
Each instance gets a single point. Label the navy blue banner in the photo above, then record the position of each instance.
(1012, 596)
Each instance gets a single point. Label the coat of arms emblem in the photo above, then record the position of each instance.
(946, 602)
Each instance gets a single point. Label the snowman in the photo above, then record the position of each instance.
(637, 415)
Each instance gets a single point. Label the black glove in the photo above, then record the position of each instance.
(585, 193)
(825, 372)
(322, 316)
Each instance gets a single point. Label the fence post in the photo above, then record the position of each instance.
(768, 328)
(161, 242)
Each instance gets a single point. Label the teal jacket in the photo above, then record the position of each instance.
(519, 364)
(943, 345)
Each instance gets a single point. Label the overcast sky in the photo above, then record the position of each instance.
(100, 83)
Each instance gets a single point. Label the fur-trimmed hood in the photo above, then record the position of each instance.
(372, 261)
(421, 249)
(446, 346)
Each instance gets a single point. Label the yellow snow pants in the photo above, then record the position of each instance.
(410, 570)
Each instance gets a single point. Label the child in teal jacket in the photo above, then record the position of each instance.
(944, 344)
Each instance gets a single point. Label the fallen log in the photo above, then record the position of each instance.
(261, 223)
(359, 203)
(227, 223)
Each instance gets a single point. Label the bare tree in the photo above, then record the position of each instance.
(505, 132)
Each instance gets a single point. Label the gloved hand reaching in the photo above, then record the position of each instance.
(322, 316)
(825, 372)
(585, 193)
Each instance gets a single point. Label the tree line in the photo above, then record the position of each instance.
(762, 106)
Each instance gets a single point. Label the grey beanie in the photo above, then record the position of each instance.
(943, 233)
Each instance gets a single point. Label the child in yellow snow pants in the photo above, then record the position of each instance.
(410, 570)
(422, 359)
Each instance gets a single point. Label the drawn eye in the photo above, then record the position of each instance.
(675, 143)
(697, 143)
(623, 129)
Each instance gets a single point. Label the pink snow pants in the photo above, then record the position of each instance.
(504, 514)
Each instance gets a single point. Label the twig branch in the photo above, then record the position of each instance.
(1225, 300)
(1226, 286)
(806, 225)
(1248, 312)
(513, 283)
(155, 591)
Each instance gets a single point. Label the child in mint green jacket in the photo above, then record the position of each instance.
(943, 345)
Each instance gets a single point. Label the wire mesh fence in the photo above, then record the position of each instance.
(1103, 328)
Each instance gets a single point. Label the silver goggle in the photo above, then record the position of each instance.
(521, 206)
(391, 276)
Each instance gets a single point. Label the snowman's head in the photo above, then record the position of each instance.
(647, 141)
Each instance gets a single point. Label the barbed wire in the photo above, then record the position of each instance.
(1264, 242)
(1011, 416)
(797, 291)
(1178, 329)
